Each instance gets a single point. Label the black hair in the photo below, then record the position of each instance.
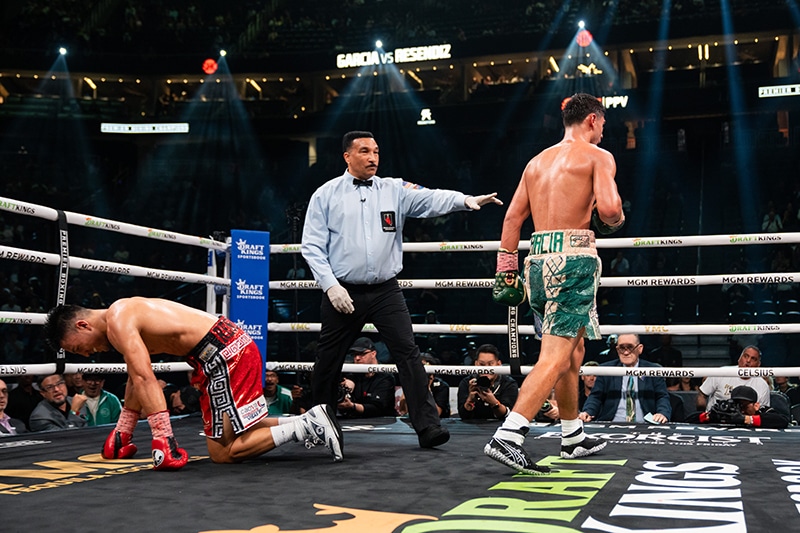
(579, 107)
(350, 136)
(59, 321)
(488, 348)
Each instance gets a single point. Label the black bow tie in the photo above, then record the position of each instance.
(362, 183)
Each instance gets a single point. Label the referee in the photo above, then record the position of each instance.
(352, 241)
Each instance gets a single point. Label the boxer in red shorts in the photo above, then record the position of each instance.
(227, 366)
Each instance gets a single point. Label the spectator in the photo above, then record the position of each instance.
(279, 399)
(772, 222)
(23, 399)
(629, 398)
(8, 425)
(181, 400)
(56, 411)
(487, 395)
(620, 265)
(74, 383)
(13, 348)
(715, 389)
(301, 399)
(101, 407)
(370, 394)
(439, 389)
(791, 390)
(666, 355)
(610, 353)
(587, 384)
(684, 384)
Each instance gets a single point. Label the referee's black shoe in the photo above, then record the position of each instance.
(433, 436)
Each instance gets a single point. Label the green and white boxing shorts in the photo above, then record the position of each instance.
(562, 273)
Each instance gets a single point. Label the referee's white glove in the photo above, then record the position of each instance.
(340, 299)
(475, 202)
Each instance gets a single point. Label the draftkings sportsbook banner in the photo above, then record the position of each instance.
(250, 284)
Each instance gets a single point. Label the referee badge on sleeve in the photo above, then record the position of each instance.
(388, 221)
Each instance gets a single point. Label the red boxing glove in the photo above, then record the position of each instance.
(118, 445)
(167, 455)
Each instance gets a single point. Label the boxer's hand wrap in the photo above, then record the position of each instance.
(118, 445)
(508, 288)
(603, 228)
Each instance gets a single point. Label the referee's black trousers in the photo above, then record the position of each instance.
(382, 304)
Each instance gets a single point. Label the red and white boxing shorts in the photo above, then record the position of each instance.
(228, 368)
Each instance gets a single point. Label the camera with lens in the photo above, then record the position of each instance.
(343, 393)
(725, 411)
(545, 407)
(483, 383)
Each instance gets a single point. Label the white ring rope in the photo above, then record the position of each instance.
(109, 267)
(635, 281)
(502, 329)
(621, 242)
(444, 370)
(457, 370)
(78, 219)
(100, 368)
(26, 319)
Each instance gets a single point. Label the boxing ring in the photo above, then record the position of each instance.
(673, 476)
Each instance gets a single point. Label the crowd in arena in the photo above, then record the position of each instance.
(169, 28)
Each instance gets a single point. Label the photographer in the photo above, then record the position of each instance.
(489, 395)
(366, 395)
(743, 409)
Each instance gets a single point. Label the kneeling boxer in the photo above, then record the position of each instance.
(227, 366)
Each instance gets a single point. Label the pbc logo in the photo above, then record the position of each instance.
(388, 221)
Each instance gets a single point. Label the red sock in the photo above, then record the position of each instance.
(160, 425)
(128, 419)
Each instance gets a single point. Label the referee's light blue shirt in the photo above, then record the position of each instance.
(354, 234)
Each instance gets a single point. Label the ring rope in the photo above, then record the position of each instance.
(25, 319)
(661, 242)
(627, 281)
(109, 267)
(458, 370)
(499, 329)
(78, 219)
(619, 242)
(100, 368)
(445, 370)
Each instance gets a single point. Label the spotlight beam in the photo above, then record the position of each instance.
(748, 189)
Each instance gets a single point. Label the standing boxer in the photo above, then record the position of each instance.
(353, 243)
(227, 369)
(563, 188)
